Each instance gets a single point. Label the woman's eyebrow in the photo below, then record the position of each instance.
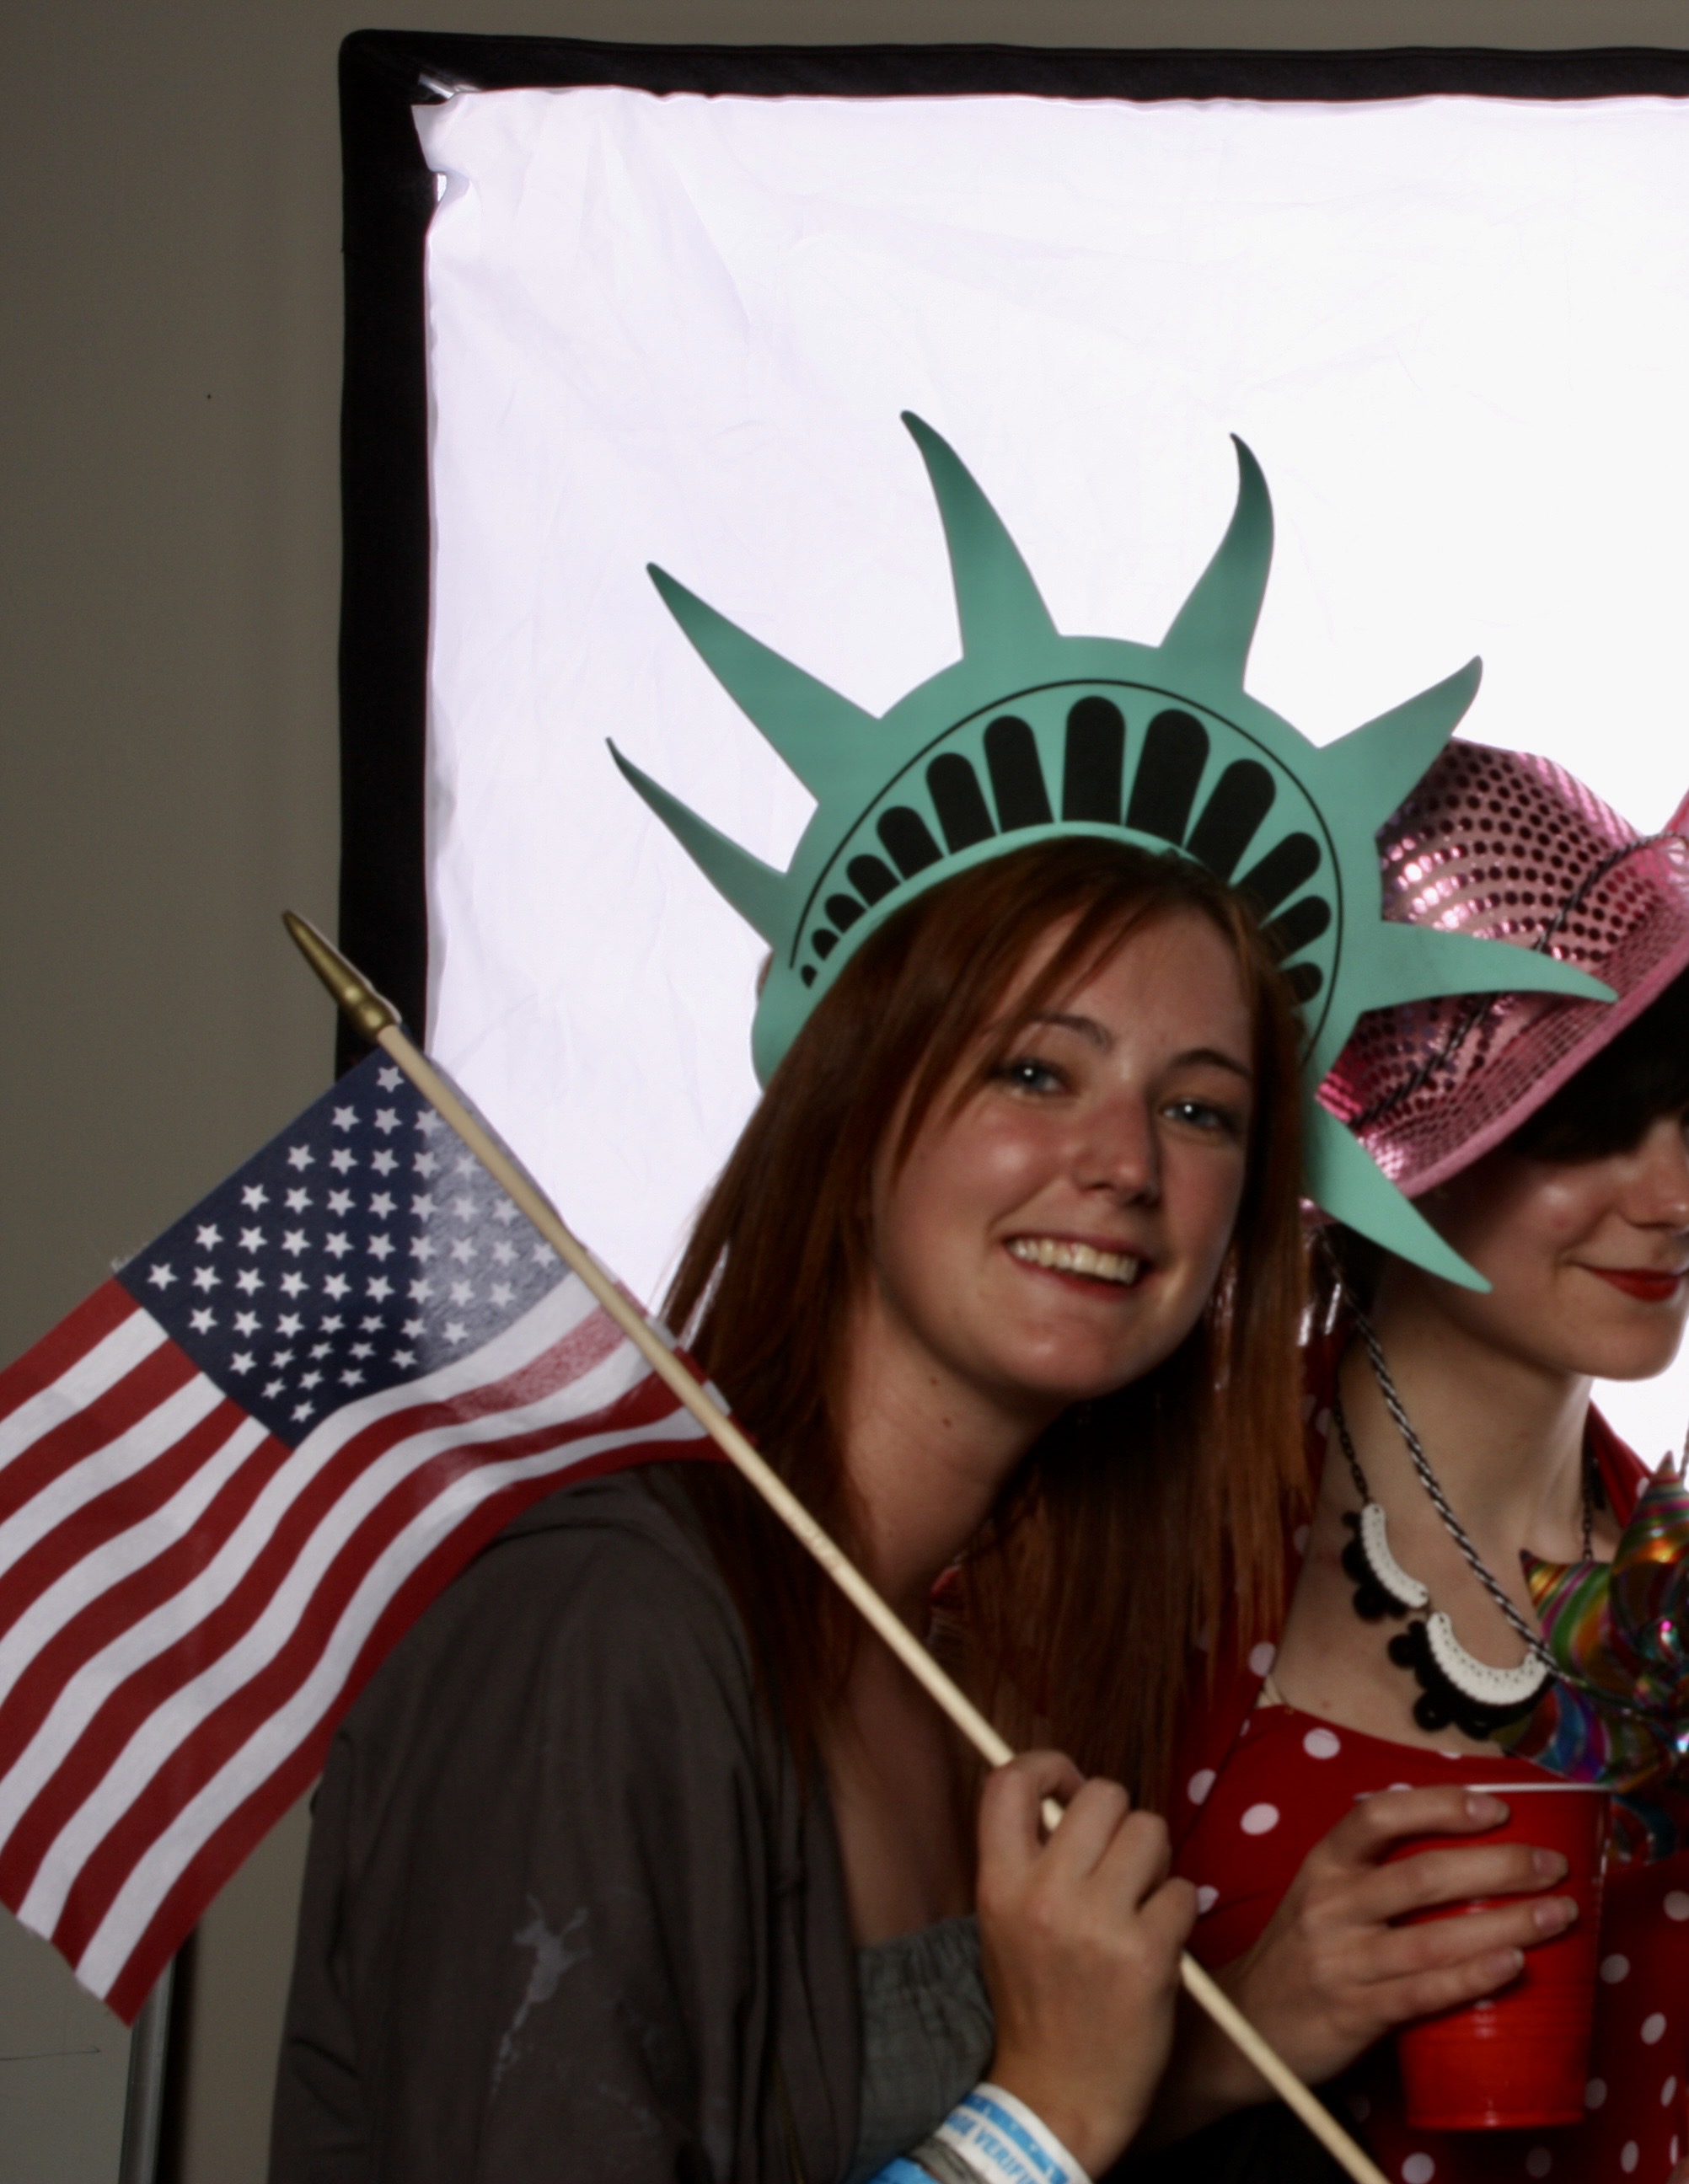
(1216, 1060)
(1088, 1028)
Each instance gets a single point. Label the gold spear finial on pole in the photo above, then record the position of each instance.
(378, 1022)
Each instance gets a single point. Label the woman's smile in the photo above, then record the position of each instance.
(1114, 1266)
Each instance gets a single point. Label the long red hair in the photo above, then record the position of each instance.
(1132, 1521)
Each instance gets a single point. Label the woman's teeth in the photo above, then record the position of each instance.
(1075, 1259)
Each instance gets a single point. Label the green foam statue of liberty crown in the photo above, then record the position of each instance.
(1032, 735)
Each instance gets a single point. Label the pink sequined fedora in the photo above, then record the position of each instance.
(1508, 847)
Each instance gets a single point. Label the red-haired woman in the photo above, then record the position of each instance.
(1546, 1140)
(639, 1857)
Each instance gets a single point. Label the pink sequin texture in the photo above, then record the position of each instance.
(1505, 846)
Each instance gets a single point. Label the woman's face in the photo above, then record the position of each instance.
(1059, 1234)
(1588, 1260)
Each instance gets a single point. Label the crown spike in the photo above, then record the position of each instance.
(1343, 1180)
(1413, 962)
(1216, 622)
(817, 733)
(997, 603)
(1373, 767)
(756, 891)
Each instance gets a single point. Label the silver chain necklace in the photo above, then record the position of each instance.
(1455, 1686)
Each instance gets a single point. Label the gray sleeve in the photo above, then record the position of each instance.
(537, 1940)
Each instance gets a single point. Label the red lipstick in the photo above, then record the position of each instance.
(1638, 1282)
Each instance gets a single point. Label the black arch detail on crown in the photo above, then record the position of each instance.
(870, 878)
(908, 839)
(1280, 872)
(959, 801)
(1175, 752)
(1017, 774)
(1242, 797)
(823, 941)
(1094, 760)
(1305, 980)
(806, 972)
(844, 910)
(1302, 923)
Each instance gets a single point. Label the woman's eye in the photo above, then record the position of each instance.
(1205, 1114)
(1025, 1072)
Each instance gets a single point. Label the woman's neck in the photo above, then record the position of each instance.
(927, 1455)
(1504, 1432)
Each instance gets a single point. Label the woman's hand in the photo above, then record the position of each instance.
(1332, 1973)
(1081, 1936)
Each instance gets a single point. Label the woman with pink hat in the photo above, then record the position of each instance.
(1450, 1429)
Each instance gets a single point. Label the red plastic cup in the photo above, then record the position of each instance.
(1519, 2058)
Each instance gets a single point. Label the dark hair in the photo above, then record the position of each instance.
(1640, 1075)
(1130, 1527)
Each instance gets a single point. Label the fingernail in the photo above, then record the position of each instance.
(1548, 1863)
(1556, 1913)
(1509, 1964)
(1491, 1810)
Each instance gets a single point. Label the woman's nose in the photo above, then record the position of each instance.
(1660, 1196)
(1121, 1151)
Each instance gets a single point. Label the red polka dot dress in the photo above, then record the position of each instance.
(1259, 1785)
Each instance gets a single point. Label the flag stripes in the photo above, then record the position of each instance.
(188, 1604)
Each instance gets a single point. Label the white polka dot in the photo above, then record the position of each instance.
(1628, 2155)
(1262, 1658)
(1260, 1819)
(1615, 1969)
(1666, 2092)
(1653, 2028)
(1538, 2162)
(1300, 1538)
(1595, 2092)
(1197, 1788)
(1322, 1744)
(1419, 2169)
(1677, 1905)
(1397, 1785)
(1206, 1899)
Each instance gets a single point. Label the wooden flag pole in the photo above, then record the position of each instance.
(377, 1021)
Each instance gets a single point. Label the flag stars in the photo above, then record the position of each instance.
(464, 1250)
(345, 1117)
(330, 1322)
(428, 1122)
(464, 1164)
(421, 1290)
(249, 1281)
(241, 1362)
(389, 1078)
(379, 1286)
(253, 1195)
(422, 1204)
(423, 1248)
(293, 1242)
(282, 1358)
(289, 1323)
(543, 1255)
(363, 1350)
(381, 1205)
(343, 1160)
(504, 1252)
(252, 1239)
(207, 1278)
(293, 1286)
(371, 1323)
(456, 1331)
(425, 1163)
(161, 1276)
(246, 1323)
(502, 1293)
(336, 1244)
(208, 1237)
(303, 1410)
(464, 1207)
(384, 1162)
(274, 1389)
(404, 1357)
(462, 1293)
(414, 1327)
(336, 1285)
(202, 1321)
(301, 1157)
(298, 1201)
(386, 1120)
(320, 1349)
(351, 1377)
(339, 1201)
(381, 1247)
(505, 1213)
(310, 1379)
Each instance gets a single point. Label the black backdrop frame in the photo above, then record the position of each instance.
(389, 199)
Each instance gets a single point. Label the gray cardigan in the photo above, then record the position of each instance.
(566, 1913)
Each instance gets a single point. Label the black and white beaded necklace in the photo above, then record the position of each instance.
(1453, 1686)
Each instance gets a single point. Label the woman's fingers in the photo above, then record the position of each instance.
(1434, 1877)
(1363, 1836)
(1401, 1951)
(1011, 1826)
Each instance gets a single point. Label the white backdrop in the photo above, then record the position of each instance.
(681, 329)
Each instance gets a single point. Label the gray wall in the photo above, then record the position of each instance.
(169, 381)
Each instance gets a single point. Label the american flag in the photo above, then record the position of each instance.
(232, 1478)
